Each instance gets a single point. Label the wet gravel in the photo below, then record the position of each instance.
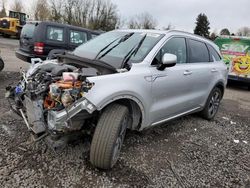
(188, 152)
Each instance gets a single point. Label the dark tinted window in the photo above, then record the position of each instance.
(198, 52)
(214, 56)
(28, 30)
(176, 46)
(78, 37)
(55, 33)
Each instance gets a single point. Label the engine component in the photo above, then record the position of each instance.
(66, 98)
(70, 76)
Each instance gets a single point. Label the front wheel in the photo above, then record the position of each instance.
(212, 104)
(109, 135)
(1, 64)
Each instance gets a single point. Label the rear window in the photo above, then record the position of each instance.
(55, 33)
(28, 30)
(214, 56)
(198, 52)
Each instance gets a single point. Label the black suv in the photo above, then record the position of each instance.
(39, 38)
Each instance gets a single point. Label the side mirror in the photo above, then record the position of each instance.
(168, 60)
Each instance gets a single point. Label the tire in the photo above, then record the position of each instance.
(108, 136)
(212, 104)
(1, 64)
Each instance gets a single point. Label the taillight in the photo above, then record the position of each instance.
(39, 47)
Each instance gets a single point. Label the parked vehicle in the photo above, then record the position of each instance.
(123, 79)
(39, 38)
(1, 64)
(236, 54)
(12, 25)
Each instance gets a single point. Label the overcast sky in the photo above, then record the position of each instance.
(182, 13)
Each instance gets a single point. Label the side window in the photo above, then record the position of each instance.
(214, 56)
(78, 37)
(93, 35)
(198, 52)
(55, 33)
(176, 46)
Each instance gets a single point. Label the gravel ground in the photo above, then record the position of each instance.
(7, 52)
(188, 152)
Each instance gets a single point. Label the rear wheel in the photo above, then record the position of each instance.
(212, 104)
(109, 135)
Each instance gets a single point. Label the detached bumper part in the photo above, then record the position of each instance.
(60, 120)
(34, 110)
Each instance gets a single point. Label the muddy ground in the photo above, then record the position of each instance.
(188, 152)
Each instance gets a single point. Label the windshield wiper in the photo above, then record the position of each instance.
(133, 51)
(123, 39)
(105, 47)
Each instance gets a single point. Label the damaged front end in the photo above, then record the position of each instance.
(51, 97)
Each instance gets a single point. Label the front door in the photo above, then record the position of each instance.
(171, 87)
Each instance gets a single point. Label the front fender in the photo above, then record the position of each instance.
(129, 85)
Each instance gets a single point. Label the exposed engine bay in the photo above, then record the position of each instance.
(50, 97)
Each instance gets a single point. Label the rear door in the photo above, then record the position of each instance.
(27, 37)
(202, 71)
(76, 38)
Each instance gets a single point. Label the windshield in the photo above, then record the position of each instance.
(114, 46)
(28, 30)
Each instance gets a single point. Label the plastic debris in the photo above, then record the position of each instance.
(245, 142)
(236, 141)
(225, 118)
(233, 123)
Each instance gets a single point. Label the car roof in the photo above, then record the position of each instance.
(61, 25)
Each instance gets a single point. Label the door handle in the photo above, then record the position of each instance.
(187, 72)
(214, 70)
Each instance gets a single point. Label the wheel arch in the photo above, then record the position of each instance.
(221, 86)
(135, 107)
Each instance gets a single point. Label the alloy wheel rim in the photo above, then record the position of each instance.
(214, 104)
(119, 141)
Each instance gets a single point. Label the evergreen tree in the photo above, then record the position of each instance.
(224, 31)
(202, 26)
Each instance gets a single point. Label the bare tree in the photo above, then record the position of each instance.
(42, 11)
(3, 10)
(103, 15)
(56, 8)
(142, 21)
(169, 27)
(17, 6)
(93, 14)
(244, 31)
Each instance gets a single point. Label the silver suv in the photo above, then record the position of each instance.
(123, 79)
